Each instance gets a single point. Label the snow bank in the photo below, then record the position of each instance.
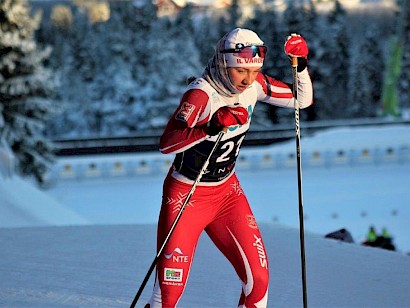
(23, 205)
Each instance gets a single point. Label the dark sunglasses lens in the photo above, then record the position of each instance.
(251, 51)
(261, 51)
(247, 53)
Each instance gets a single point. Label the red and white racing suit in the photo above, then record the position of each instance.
(219, 205)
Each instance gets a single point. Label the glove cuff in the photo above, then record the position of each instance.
(302, 64)
(213, 129)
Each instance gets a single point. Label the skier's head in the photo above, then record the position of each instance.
(242, 48)
(237, 53)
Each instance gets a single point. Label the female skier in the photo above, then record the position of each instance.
(224, 96)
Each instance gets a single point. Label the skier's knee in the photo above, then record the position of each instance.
(261, 279)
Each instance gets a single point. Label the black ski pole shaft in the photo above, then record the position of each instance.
(299, 171)
(174, 224)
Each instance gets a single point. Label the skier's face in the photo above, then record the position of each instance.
(243, 77)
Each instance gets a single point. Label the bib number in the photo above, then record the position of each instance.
(230, 148)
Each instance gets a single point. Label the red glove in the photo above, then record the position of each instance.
(295, 46)
(227, 116)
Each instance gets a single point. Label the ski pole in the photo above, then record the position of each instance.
(172, 228)
(299, 168)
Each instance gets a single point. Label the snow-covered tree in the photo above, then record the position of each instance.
(109, 88)
(295, 20)
(121, 37)
(173, 58)
(334, 68)
(25, 88)
(404, 37)
(234, 14)
(139, 17)
(126, 74)
(78, 75)
(230, 19)
(311, 33)
(294, 17)
(206, 36)
(366, 82)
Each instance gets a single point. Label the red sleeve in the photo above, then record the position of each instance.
(274, 88)
(280, 94)
(187, 126)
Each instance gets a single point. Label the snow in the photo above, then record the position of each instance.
(89, 239)
(103, 266)
(23, 205)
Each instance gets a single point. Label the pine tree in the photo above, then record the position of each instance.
(294, 17)
(120, 90)
(334, 70)
(366, 83)
(172, 61)
(294, 20)
(311, 34)
(25, 87)
(230, 19)
(404, 37)
(206, 36)
(83, 72)
(234, 15)
(140, 17)
(361, 102)
(56, 31)
(110, 90)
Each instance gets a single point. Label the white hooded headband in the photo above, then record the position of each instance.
(242, 38)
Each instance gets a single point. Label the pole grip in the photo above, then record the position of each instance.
(294, 61)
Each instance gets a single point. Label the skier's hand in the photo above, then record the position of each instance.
(225, 117)
(296, 46)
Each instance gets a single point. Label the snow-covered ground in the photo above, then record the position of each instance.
(89, 239)
(103, 266)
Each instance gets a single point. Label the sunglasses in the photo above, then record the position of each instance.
(247, 52)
